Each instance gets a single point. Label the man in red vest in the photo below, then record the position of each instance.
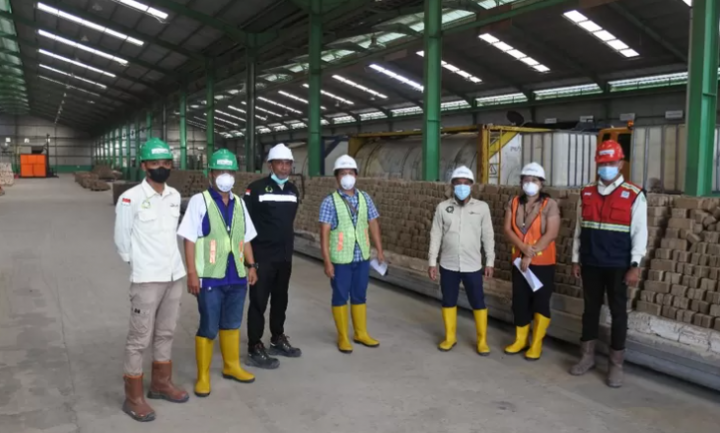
(610, 242)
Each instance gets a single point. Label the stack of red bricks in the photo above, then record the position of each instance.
(682, 283)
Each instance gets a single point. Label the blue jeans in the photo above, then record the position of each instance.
(220, 307)
(450, 287)
(351, 281)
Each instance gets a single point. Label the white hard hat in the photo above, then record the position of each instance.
(345, 162)
(533, 169)
(463, 172)
(280, 152)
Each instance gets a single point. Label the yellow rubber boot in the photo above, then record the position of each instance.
(359, 318)
(230, 348)
(203, 356)
(340, 314)
(521, 340)
(539, 331)
(450, 319)
(481, 323)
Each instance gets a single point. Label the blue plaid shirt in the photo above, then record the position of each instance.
(328, 214)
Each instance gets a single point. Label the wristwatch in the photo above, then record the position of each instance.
(634, 265)
(253, 265)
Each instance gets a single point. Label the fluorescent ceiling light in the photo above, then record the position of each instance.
(76, 63)
(594, 29)
(85, 23)
(232, 107)
(333, 96)
(297, 98)
(455, 70)
(277, 104)
(517, 54)
(688, 2)
(224, 121)
(68, 85)
(144, 8)
(82, 47)
(359, 87)
(230, 115)
(102, 86)
(397, 77)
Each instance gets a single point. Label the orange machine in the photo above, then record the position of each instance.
(33, 166)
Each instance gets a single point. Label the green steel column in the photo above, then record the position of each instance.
(702, 96)
(149, 125)
(210, 125)
(183, 130)
(432, 90)
(250, 98)
(118, 148)
(128, 154)
(113, 149)
(315, 83)
(136, 170)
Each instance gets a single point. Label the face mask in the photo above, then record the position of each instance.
(347, 182)
(531, 188)
(159, 175)
(462, 191)
(278, 180)
(225, 182)
(608, 173)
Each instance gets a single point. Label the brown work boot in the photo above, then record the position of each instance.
(615, 371)
(587, 361)
(162, 386)
(135, 404)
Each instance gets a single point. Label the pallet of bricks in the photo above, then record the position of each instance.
(682, 283)
(90, 181)
(7, 177)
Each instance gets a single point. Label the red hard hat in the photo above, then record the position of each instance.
(609, 151)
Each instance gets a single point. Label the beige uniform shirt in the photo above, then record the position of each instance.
(458, 233)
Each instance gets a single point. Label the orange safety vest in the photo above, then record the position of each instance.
(533, 235)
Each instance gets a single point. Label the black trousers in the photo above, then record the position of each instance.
(597, 282)
(273, 282)
(525, 302)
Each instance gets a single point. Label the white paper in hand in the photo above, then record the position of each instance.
(531, 278)
(380, 268)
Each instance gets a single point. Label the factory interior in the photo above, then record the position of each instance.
(412, 90)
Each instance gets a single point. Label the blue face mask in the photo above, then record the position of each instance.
(278, 180)
(462, 192)
(608, 172)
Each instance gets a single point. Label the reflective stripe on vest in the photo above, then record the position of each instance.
(346, 235)
(533, 235)
(211, 251)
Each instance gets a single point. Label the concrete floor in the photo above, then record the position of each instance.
(64, 315)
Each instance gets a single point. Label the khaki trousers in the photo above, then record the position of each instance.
(154, 310)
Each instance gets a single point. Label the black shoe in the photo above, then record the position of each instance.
(280, 346)
(258, 357)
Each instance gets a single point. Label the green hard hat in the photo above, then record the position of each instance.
(155, 149)
(223, 159)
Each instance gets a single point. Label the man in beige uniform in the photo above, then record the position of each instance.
(145, 226)
(462, 225)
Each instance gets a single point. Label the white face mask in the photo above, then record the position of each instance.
(347, 182)
(225, 182)
(531, 188)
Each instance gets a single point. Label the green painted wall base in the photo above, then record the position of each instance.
(71, 168)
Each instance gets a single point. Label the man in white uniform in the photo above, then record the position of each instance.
(145, 226)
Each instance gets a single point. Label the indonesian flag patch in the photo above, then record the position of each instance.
(247, 192)
(126, 202)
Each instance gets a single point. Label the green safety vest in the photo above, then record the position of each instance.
(346, 234)
(211, 251)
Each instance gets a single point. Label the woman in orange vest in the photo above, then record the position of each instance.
(532, 222)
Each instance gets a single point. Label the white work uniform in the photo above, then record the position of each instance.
(638, 224)
(145, 233)
(458, 232)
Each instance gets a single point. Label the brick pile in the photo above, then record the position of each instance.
(91, 181)
(682, 283)
(7, 177)
(105, 172)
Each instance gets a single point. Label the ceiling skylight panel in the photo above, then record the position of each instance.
(397, 77)
(360, 87)
(85, 23)
(343, 119)
(144, 8)
(82, 47)
(76, 63)
(333, 96)
(73, 76)
(455, 70)
(372, 115)
(594, 29)
(515, 53)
